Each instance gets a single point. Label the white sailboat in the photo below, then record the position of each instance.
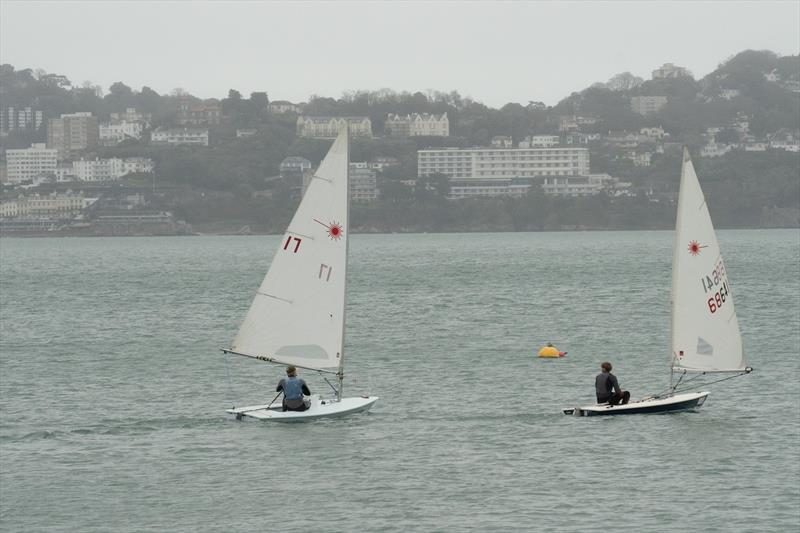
(298, 314)
(705, 334)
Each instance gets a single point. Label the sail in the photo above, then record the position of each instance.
(297, 316)
(705, 331)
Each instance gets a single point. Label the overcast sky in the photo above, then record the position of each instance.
(496, 52)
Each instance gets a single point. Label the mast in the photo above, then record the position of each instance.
(340, 372)
(674, 262)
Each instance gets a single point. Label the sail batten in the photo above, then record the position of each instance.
(308, 271)
(705, 330)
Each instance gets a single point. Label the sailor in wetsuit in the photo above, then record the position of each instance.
(607, 387)
(293, 390)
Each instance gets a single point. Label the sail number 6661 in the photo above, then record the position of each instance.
(719, 297)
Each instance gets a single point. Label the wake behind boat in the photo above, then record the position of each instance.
(705, 333)
(297, 317)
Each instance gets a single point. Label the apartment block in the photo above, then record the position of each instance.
(72, 133)
(328, 127)
(29, 163)
(503, 164)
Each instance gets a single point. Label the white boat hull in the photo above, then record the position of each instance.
(677, 402)
(319, 408)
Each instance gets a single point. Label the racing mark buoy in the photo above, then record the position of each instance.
(551, 351)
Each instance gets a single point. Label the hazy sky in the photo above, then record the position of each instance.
(496, 52)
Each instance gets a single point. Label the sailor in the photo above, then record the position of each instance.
(607, 387)
(293, 390)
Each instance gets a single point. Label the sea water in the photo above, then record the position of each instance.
(113, 390)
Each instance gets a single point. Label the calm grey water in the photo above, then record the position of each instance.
(113, 390)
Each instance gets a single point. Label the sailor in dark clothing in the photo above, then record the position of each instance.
(293, 390)
(607, 387)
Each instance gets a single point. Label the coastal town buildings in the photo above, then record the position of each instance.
(323, 127)
(499, 164)
(246, 132)
(502, 141)
(61, 205)
(110, 169)
(294, 165)
(589, 185)
(363, 183)
(540, 141)
(72, 133)
(26, 164)
(179, 136)
(417, 125)
(131, 115)
(198, 113)
(670, 71)
(283, 106)
(20, 118)
(647, 105)
(114, 133)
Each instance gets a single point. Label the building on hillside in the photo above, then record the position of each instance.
(72, 133)
(713, 149)
(110, 169)
(417, 125)
(488, 189)
(363, 183)
(589, 185)
(65, 172)
(647, 105)
(502, 141)
(294, 165)
(179, 136)
(670, 71)
(656, 132)
(283, 106)
(540, 141)
(198, 114)
(114, 133)
(131, 115)
(786, 140)
(380, 163)
(328, 127)
(26, 164)
(60, 205)
(487, 164)
(24, 118)
(248, 132)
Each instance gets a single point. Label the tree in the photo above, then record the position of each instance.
(235, 95)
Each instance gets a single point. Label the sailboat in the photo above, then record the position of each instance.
(705, 334)
(297, 317)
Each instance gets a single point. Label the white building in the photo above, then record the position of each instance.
(363, 183)
(28, 163)
(713, 149)
(502, 141)
(282, 106)
(131, 115)
(656, 132)
(115, 133)
(502, 164)
(329, 127)
(248, 132)
(417, 125)
(460, 191)
(589, 185)
(647, 105)
(25, 118)
(668, 70)
(179, 136)
(294, 165)
(540, 141)
(110, 169)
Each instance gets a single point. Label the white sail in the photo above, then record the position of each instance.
(297, 316)
(705, 331)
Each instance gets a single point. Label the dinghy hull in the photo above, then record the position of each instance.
(319, 408)
(677, 402)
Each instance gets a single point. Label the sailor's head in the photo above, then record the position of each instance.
(605, 367)
(291, 371)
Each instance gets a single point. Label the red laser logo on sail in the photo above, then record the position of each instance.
(694, 247)
(334, 229)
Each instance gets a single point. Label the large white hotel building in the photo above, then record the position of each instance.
(489, 164)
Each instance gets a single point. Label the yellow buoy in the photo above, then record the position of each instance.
(550, 351)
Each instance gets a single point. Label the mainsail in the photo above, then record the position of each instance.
(297, 316)
(705, 331)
